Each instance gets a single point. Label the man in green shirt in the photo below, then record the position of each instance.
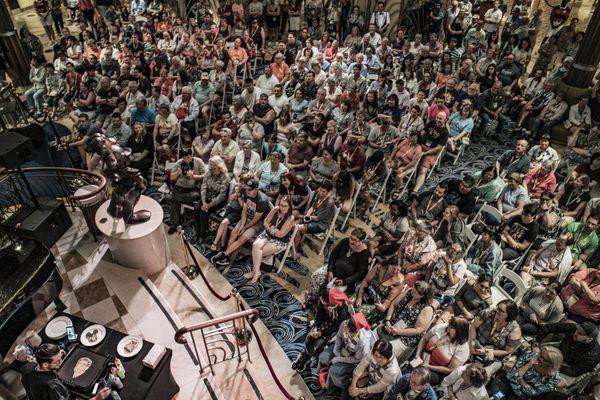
(585, 240)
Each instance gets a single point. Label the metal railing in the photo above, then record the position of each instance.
(244, 317)
(50, 182)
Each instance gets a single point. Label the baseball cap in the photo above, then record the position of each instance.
(588, 329)
(204, 76)
(252, 184)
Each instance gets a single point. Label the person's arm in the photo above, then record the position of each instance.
(421, 346)
(589, 295)
(269, 217)
(423, 322)
(266, 120)
(365, 282)
(473, 336)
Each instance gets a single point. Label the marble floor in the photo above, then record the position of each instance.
(154, 307)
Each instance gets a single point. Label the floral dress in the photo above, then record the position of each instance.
(408, 314)
(376, 292)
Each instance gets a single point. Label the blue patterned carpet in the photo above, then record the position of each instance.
(279, 310)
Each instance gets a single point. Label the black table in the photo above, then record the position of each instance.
(140, 383)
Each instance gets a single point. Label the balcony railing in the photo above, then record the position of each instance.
(236, 326)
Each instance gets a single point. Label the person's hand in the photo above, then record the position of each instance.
(338, 282)
(190, 173)
(533, 318)
(391, 330)
(480, 351)
(353, 391)
(468, 315)
(102, 394)
(358, 301)
(380, 307)
(165, 141)
(205, 207)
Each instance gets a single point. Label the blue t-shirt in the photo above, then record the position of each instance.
(458, 125)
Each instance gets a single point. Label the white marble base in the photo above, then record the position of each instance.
(142, 246)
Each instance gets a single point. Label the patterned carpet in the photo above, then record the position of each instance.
(279, 310)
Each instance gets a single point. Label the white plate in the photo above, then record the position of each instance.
(87, 338)
(57, 328)
(130, 351)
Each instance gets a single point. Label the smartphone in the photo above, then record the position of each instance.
(71, 335)
(498, 396)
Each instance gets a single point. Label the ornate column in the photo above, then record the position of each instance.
(10, 45)
(587, 57)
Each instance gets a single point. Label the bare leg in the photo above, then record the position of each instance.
(298, 237)
(257, 256)
(420, 179)
(260, 249)
(233, 246)
(220, 237)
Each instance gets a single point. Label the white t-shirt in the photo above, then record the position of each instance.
(266, 84)
(278, 102)
(495, 16)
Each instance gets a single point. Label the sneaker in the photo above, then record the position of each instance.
(223, 261)
(300, 364)
(217, 257)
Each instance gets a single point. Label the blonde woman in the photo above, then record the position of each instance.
(213, 194)
(535, 373)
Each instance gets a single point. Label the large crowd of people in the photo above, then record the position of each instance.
(277, 116)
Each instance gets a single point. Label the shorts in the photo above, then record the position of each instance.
(233, 216)
(314, 227)
(428, 161)
(252, 231)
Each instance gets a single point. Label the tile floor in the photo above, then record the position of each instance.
(100, 291)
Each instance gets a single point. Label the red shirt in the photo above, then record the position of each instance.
(434, 110)
(575, 302)
(86, 5)
(536, 185)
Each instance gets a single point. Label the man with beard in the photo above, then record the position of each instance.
(299, 156)
(460, 194)
(264, 114)
(430, 205)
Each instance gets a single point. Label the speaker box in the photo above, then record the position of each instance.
(15, 149)
(45, 224)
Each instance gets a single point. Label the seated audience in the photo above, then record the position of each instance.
(353, 342)
(534, 373)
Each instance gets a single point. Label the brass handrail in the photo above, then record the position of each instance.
(213, 322)
(250, 314)
(101, 178)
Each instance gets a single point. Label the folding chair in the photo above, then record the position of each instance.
(383, 191)
(471, 237)
(288, 248)
(352, 206)
(438, 160)
(487, 209)
(498, 292)
(458, 154)
(257, 55)
(330, 230)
